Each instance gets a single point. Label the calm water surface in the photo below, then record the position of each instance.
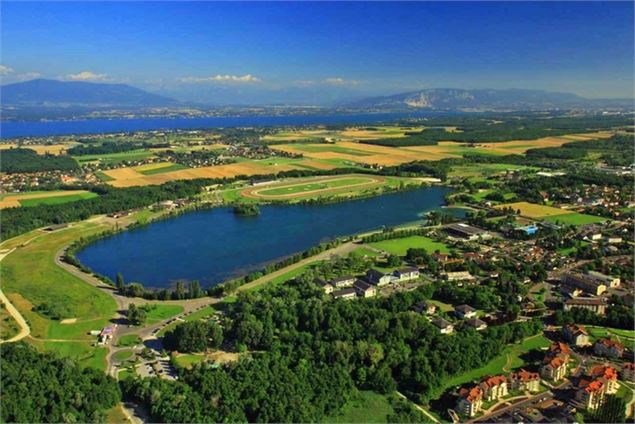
(214, 245)
(10, 129)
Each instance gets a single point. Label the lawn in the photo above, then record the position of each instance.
(600, 332)
(364, 407)
(122, 355)
(508, 360)
(156, 312)
(83, 352)
(365, 251)
(128, 340)
(189, 359)
(30, 278)
(401, 245)
(575, 219)
(200, 314)
(161, 170)
(57, 199)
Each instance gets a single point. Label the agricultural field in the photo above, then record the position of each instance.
(41, 149)
(313, 186)
(534, 211)
(34, 198)
(401, 245)
(163, 167)
(363, 133)
(115, 158)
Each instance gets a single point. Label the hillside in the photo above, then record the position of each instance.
(484, 99)
(52, 93)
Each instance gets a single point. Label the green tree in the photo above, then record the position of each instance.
(120, 282)
(136, 316)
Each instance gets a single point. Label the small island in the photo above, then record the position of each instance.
(247, 210)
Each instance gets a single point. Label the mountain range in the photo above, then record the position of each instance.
(51, 94)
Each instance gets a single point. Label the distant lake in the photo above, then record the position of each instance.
(10, 129)
(215, 245)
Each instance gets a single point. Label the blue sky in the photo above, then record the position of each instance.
(322, 52)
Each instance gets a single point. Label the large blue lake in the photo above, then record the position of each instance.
(10, 129)
(214, 245)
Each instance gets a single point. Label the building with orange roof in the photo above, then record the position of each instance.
(555, 368)
(525, 380)
(470, 401)
(609, 348)
(494, 387)
(600, 380)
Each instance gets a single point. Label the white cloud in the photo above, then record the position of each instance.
(87, 76)
(340, 81)
(5, 70)
(221, 79)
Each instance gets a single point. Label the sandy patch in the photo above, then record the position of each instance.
(68, 321)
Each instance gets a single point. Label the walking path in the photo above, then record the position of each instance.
(25, 330)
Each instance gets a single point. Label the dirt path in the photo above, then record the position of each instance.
(342, 249)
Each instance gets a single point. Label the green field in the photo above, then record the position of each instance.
(364, 407)
(316, 148)
(173, 167)
(56, 200)
(626, 336)
(157, 312)
(122, 355)
(200, 314)
(128, 340)
(505, 362)
(401, 245)
(187, 360)
(113, 158)
(311, 186)
(575, 219)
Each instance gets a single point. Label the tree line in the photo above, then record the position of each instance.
(27, 160)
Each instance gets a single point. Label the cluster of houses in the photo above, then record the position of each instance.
(348, 286)
(492, 388)
(464, 312)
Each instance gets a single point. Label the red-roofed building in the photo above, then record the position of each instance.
(525, 380)
(555, 362)
(494, 387)
(600, 381)
(470, 401)
(608, 347)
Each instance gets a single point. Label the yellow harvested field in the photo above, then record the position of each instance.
(521, 146)
(152, 166)
(13, 200)
(40, 149)
(318, 165)
(532, 210)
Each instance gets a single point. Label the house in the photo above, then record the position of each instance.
(407, 273)
(609, 348)
(612, 240)
(595, 304)
(465, 311)
(344, 281)
(444, 259)
(425, 307)
(558, 349)
(593, 387)
(628, 371)
(327, 287)
(465, 232)
(106, 334)
(378, 278)
(470, 401)
(458, 276)
(528, 229)
(554, 368)
(346, 293)
(525, 381)
(575, 334)
(476, 323)
(443, 326)
(494, 387)
(584, 283)
(607, 280)
(364, 289)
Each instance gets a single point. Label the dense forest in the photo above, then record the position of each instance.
(106, 148)
(40, 387)
(309, 354)
(27, 160)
